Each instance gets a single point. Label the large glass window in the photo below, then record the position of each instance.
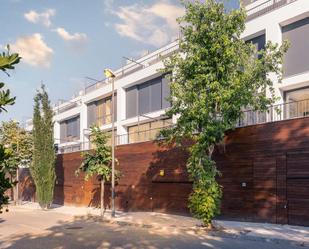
(131, 102)
(100, 111)
(147, 97)
(147, 131)
(296, 60)
(297, 103)
(70, 130)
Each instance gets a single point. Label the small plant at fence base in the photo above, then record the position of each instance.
(98, 162)
(215, 75)
(5, 182)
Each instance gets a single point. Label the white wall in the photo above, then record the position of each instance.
(271, 23)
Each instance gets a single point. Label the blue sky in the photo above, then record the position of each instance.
(62, 42)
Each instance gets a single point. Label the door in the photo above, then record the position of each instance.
(265, 187)
(298, 188)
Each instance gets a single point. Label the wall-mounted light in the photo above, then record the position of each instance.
(161, 173)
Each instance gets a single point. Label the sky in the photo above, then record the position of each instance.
(63, 42)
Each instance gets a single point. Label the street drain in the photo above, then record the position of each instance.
(74, 228)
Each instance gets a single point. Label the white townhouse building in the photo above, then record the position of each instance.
(140, 104)
(276, 21)
(141, 89)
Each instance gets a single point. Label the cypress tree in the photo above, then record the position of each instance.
(43, 166)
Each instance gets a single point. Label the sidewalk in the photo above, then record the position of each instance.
(264, 230)
(177, 223)
(160, 221)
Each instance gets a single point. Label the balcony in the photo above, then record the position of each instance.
(63, 107)
(142, 63)
(142, 135)
(265, 7)
(285, 111)
(275, 113)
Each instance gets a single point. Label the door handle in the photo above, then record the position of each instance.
(286, 205)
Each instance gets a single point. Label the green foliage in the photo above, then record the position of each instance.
(5, 98)
(18, 142)
(7, 62)
(43, 166)
(216, 75)
(204, 202)
(98, 161)
(5, 182)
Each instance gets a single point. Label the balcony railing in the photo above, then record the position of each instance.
(129, 138)
(133, 67)
(67, 106)
(285, 111)
(265, 7)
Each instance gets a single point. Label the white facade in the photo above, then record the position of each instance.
(268, 23)
(271, 24)
(146, 68)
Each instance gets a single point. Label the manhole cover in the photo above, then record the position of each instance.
(74, 228)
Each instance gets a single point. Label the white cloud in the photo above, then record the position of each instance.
(65, 35)
(152, 24)
(42, 18)
(33, 50)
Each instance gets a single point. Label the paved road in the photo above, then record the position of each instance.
(29, 229)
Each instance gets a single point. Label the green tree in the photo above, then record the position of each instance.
(5, 182)
(98, 161)
(18, 143)
(7, 62)
(215, 76)
(43, 166)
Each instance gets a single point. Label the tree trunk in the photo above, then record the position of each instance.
(102, 196)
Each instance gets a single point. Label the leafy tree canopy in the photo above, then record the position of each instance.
(7, 62)
(215, 76)
(98, 162)
(18, 143)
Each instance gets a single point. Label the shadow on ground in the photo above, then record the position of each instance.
(93, 232)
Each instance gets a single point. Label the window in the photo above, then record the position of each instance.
(144, 98)
(147, 131)
(166, 92)
(258, 42)
(100, 111)
(147, 97)
(297, 103)
(297, 57)
(70, 130)
(131, 102)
